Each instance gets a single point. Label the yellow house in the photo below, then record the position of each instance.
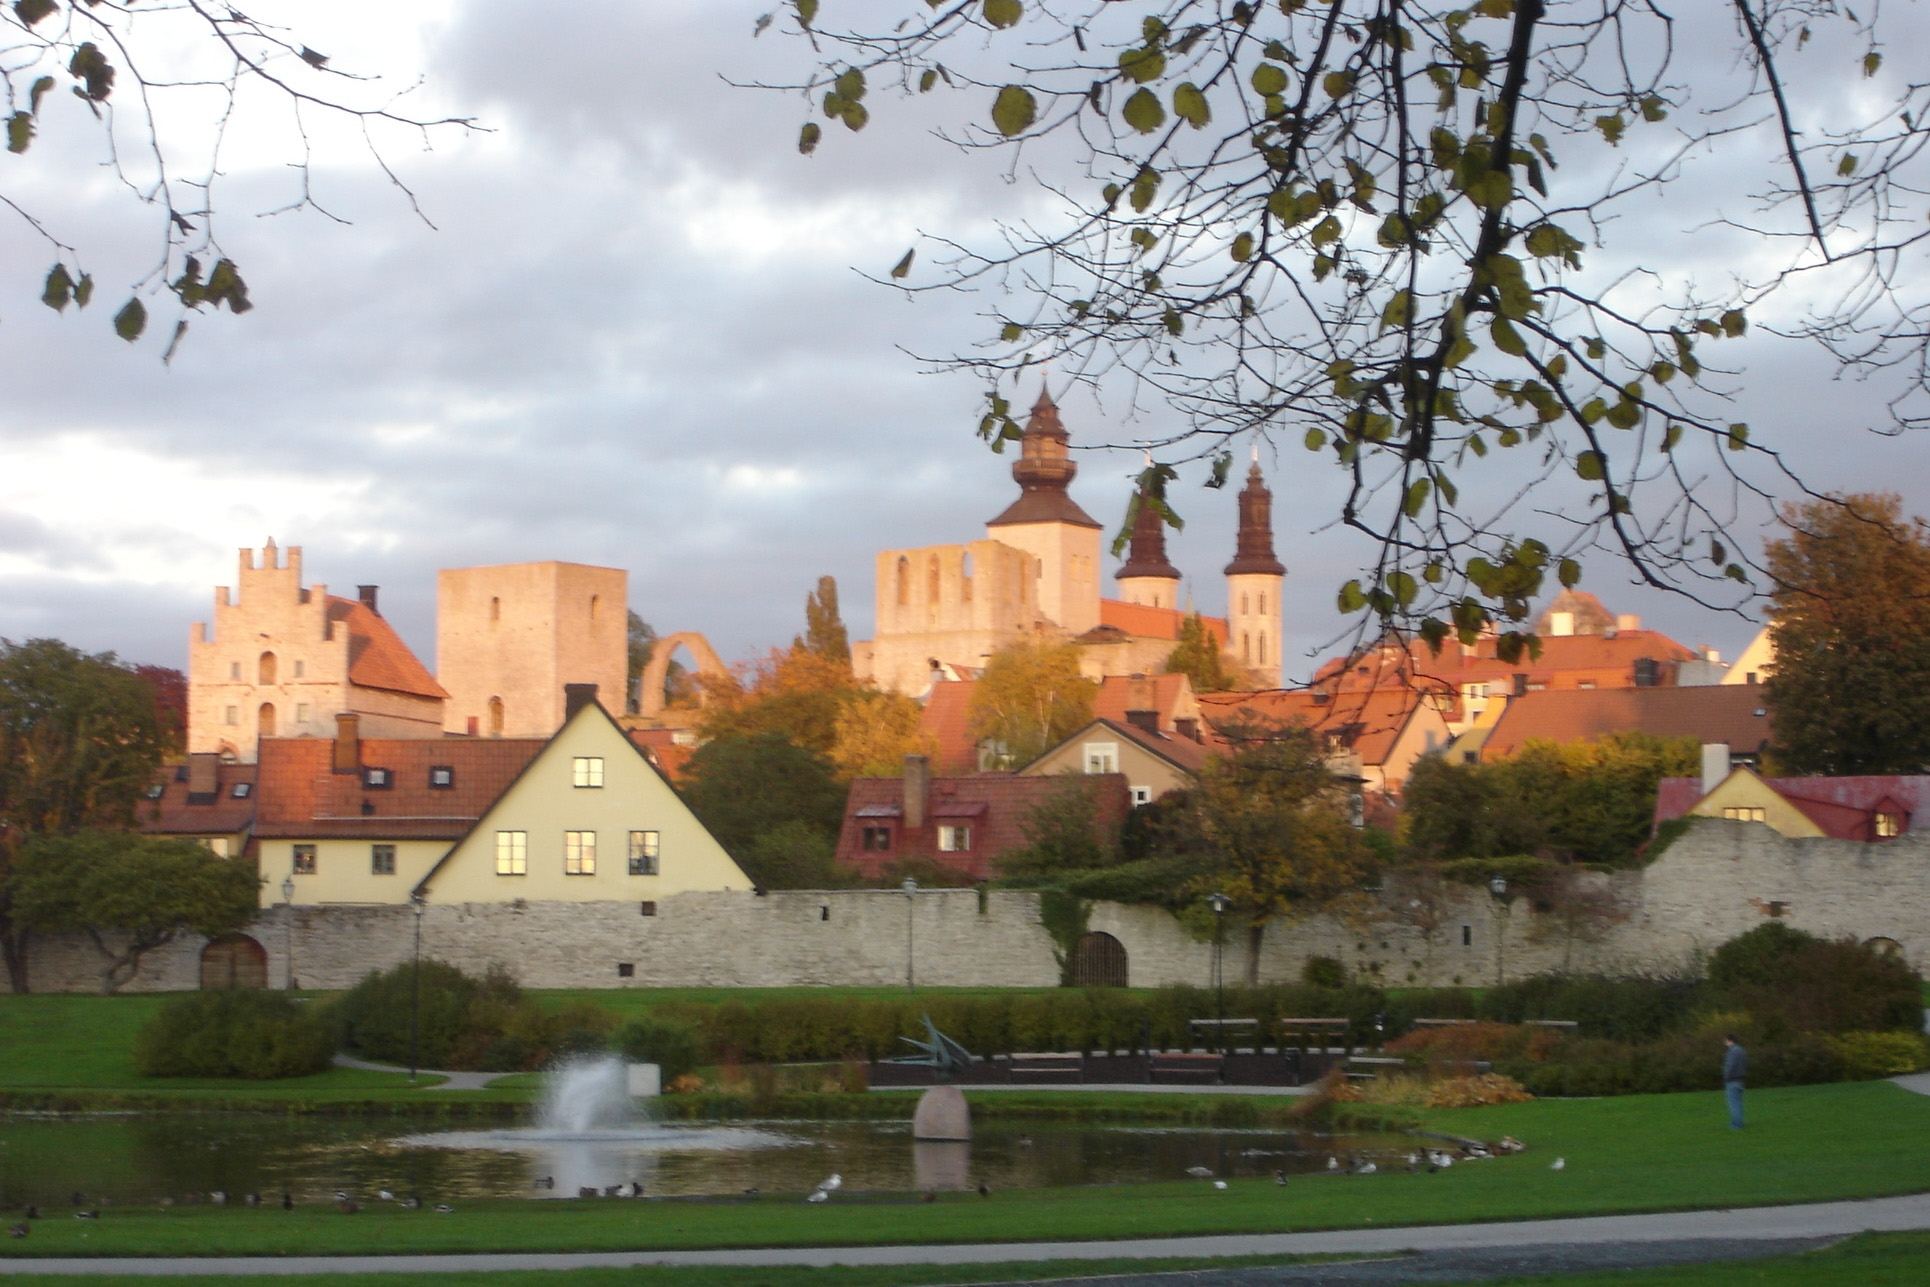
(588, 819)
(1745, 797)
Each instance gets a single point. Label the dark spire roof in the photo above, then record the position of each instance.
(1148, 556)
(1255, 551)
(1043, 471)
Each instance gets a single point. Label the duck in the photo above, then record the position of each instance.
(1366, 1168)
(751, 1192)
(544, 1182)
(1509, 1144)
(445, 1208)
(818, 1195)
(219, 1197)
(347, 1206)
(1280, 1178)
(385, 1195)
(411, 1203)
(636, 1189)
(88, 1215)
(33, 1212)
(287, 1202)
(586, 1192)
(342, 1195)
(1560, 1163)
(252, 1199)
(984, 1191)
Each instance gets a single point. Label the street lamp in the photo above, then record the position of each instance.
(288, 928)
(1219, 903)
(415, 999)
(1498, 887)
(911, 906)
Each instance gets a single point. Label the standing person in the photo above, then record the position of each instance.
(1735, 1067)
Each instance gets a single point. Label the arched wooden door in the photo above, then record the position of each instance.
(1099, 962)
(236, 961)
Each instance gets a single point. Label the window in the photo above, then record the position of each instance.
(304, 860)
(626, 969)
(1743, 813)
(1889, 825)
(265, 719)
(1142, 795)
(495, 717)
(586, 771)
(1467, 936)
(234, 670)
(231, 716)
(301, 712)
(1102, 757)
(301, 669)
(876, 840)
(442, 776)
(512, 853)
(954, 840)
(381, 860)
(643, 853)
(377, 779)
(579, 853)
(240, 790)
(648, 907)
(266, 668)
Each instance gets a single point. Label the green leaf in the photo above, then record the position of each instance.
(84, 290)
(1014, 110)
(1268, 79)
(850, 84)
(1416, 498)
(1663, 372)
(41, 89)
(20, 132)
(90, 66)
(1735, 573)
(1337, 83)
(32, 11)
(926, 80)
(1612, 127)
(1350, 599)
(1871, 61)
(806, 11)
(1144, 112)
(903, 266)
(1174, 323)
(1242, 248)
(1671, 435)
(1738, 437)
(131, 320)
(807, 138)
(1506, 338)
(1004, 13)
(1190, 105)
(1142, 65)
(1402, 586)
(59, 289)
(1590, 466)
(1847, 166)
(1326, 230)
(1734, 323)
(855, 116)
(1653, 108)
(1399, 310)
(1315, 440)
(1570, 573)
(1145, 188)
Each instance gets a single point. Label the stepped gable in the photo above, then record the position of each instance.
(377, 657)
(1254, 552)
(1043, 471)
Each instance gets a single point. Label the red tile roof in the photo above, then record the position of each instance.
(661, 748)
(377, 657)
(946, 719)
(1729, 713)
(1182, 752)
(178, 813)
(1368, 722)
(1115, 696)
(997, 805)
(300, 796)
(1845, 808)
(1153, 623)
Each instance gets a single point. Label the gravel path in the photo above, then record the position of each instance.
(450, 1080)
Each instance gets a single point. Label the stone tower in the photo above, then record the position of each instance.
(1147, 577)
(1048, 524)
(1253, 581)
(509, 637)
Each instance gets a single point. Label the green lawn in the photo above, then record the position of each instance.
(1638, 1153)
(1872, 1260)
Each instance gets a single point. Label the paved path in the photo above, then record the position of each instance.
(1132, 1088)
(1817, 1221)
(1918, 1082)
(449, 1080)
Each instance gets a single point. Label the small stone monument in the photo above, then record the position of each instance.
(942, 1115)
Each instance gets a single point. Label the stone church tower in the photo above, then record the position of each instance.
(1048, 524)
(1253, 581)
(1148, 578)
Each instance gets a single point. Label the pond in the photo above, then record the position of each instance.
(136, 1159)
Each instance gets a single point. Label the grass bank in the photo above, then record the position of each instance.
(1635, 1153)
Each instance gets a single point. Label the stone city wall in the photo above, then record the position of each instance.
(1718, 880)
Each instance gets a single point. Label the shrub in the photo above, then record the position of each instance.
(1467, 1042)
(1474, 1092)
(671, 1046)
(1870, 1055)
(1625, 1009)
(465, 1022)
(1323, 972)
(257, 1035)
(1795, 982)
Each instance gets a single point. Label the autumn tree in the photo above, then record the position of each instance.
(166, 84)
(1429, 240)
(81, 737)
(1200, 658)
(130, 894)
(1850, 619)
(1271, 823)
(875, 731)
(824, 632)
(793, 693)
(1030, 696)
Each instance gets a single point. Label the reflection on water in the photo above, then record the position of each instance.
(139, 1158)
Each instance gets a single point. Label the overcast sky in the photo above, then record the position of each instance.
(637, 336)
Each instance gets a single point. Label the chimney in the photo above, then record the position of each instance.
(1521, 684)
(575, 698)
(348, 743)
(1561, 624)
(203, 766)
(366, 593)
(1188, 729)
(917, 787)
(1715, 765)
(1628, 621)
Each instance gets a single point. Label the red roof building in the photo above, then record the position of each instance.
(1732, 714)
(1868, 809)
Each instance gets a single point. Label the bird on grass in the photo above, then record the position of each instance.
(253, 1199)
(342, 1195)
(1280, 1178)
(33, 1212)
(411, 1203)
(1219, 1184)
(831, 1185)
(1333, 1164)
(1559, 1164)
(347, 1206)
(20, 1230)
(287, 1202)
(544, 1182)
(1200, 1172)
(818, 1195)
(751, 1192)
(88, 1215)
(1366, 1168)
(1509, 1144)
(444, 1208)
(984, 1192)
(219, 1197)
(385, 1195)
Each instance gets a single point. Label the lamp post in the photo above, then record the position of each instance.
(288, 926)
(911, 922)
(415, 995)
(1219, 903)
(1498, 887)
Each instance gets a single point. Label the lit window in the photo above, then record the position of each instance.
(643, 853)
(587, 771)
(377, 779)
(381, 860)
(512, 853)
(1102, 757)
(1888, 825)
(579, 853)
(954, 840)
(877, 840)
(304, 860)
(240, 790)
(442, 776)
(231, 716)
(1744, 813)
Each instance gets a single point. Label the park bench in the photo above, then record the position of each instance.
(1048, 1067)
(1221, 1029)
(1185, 1067)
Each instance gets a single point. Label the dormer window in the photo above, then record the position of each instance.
(1889, 826)
(442, 776)
(240, 790)
(377, 779)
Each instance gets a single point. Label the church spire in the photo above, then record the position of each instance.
(1043, 471)
(1148, 555)
(1254, 553)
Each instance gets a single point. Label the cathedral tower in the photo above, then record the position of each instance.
(1253, 581)
(1048, 524)
(1147, 577)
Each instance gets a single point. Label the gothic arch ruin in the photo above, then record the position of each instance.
(650, 692)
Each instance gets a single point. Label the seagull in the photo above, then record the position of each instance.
(1219, 1184)
(1509, 1144)
(1366, 1168)
(1280, 1178)
(1200, 1172)
(1333, 1164)
(87, 1215)
(341, 1195)
(219, 1197)
(1558, 1164)
(385, 1195)
(831, 1185)
(444, 1207)
(818, 1195)
(20, 1230)
(253, 1199)
(411, 1203)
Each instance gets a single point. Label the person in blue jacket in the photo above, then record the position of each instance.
(1735, 1068)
